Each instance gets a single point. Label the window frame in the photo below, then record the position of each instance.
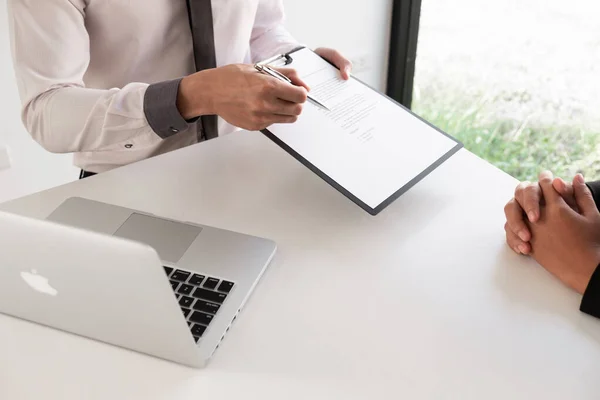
(404, 35)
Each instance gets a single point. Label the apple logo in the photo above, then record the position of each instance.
(38, 282)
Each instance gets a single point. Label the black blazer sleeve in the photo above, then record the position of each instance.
(590, 304)
(595, 189)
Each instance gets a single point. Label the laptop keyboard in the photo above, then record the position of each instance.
(200, 297)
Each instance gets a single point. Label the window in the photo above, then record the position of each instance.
(517, 81)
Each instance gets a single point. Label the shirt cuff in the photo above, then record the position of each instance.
(160, 108)
(590, 304)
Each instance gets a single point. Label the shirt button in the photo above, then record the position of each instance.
(128, 146)
(174, 130)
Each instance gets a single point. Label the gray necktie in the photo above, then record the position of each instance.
(201, 23)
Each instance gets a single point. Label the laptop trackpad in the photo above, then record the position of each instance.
(170, 239)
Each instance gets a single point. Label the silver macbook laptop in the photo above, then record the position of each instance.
(157, 286)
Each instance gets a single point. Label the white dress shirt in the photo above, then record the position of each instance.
(83, 68)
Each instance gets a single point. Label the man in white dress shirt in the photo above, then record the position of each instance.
(117, 81)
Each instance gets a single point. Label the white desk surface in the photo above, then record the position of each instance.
(424, 301)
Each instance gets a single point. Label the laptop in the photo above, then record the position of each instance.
(161, 287)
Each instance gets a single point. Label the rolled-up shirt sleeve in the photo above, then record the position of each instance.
(269, 36)
(51, 53)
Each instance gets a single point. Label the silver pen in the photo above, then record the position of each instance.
(265, 69)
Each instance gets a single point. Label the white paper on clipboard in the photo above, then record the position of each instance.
(367, 144)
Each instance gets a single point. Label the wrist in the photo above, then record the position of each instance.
(195, 96)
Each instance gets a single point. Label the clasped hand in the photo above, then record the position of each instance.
(558, 224)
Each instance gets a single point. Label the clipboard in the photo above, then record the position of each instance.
(287, 59)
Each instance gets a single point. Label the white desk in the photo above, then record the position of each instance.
(423, 301)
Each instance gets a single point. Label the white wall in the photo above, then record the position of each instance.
(360, 29)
